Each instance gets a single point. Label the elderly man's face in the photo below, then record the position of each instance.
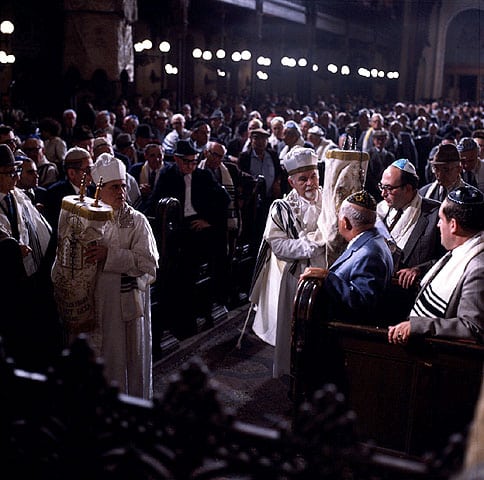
(480, 142)
(215, 155)
(305, 126)
(187, 164)
(201, 135)
(305, 183)
(468, 159)
(33, 147)
(9, 140)
(29, 178)
(75, 175)
(314, 139)
(277, 129)
(393, 192)
(447, 174)
(258, 142)
(9, 177)
(154, 157)
(290, 137)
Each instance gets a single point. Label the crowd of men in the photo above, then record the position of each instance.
(255, 177)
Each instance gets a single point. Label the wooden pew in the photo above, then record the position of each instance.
(167, 220)
(408, 399)
(68, 423)
(166, 224)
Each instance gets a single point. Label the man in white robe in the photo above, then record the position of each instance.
(127, 260)
(286, 250)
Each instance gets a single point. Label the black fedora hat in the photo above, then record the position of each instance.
(185, 148)
(7, 158)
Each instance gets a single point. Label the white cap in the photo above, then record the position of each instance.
(101, 141)
(316, 130)
(109, 168)
(300, 159)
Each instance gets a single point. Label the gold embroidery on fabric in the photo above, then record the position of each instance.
(125, 218)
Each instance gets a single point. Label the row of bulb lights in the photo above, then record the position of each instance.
(262, 61)
(7, 28)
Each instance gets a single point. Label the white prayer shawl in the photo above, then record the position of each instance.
(34, 230)
(435, 187)
(436, 292)
(285, 252)
(123, 315)
(323, 147)
(144, 175)
(404, 227)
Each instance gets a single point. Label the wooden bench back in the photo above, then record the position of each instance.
(408, 399)
(68, 423)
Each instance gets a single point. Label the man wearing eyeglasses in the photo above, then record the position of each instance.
(447, 169)
(7, 137)
(450, 302)
(20, 220)
(18, 216)
(202, 236)
(77, 167)
(48, 172)
(410, 222)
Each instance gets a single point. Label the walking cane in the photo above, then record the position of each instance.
(244, 328)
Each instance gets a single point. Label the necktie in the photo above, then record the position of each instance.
(442, 193)
(152, 178)
(12, 215)
(470, 178)
(395, 219)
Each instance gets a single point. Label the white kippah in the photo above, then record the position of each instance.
(300, 159)
(109, 168)
(405, 165)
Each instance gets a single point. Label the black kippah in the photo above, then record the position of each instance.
(466, 195)
(363, 199)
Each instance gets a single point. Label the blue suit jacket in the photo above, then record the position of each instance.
(358, 279)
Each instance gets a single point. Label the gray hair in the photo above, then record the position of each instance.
(358, 217)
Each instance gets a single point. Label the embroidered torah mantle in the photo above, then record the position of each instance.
(344, 174)
(81, 224)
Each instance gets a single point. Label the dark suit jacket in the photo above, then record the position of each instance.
(424, 145)
(209, 199)
(135, 170)
(53, 201)
(358, 279)
(244, 165)
(423, 247)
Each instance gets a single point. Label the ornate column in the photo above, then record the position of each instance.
(98, 36)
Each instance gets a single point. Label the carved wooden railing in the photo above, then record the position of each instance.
(70, 424)
(408, 399)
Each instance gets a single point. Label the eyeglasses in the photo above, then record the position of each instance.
(190, 162)
(13, 173)
(84, 170)
(441, 169)
(388, 188)
(215, 154)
